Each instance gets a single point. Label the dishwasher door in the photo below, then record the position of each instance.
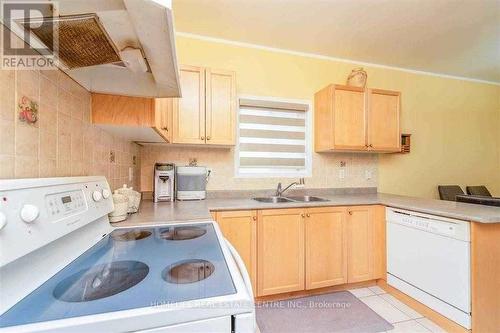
(430, 256)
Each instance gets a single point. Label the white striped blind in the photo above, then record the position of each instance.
(272, 138)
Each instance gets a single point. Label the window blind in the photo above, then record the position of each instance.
(272, 137)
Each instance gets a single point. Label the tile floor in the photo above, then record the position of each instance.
(402, 317)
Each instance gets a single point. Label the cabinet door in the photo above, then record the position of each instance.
(240, 229)
(189, 110)
(383, 120)
(280, 251)
(326, 247)
(359, 244)
(163, 118)
(349, 120)
(122, 110)
(220, 107)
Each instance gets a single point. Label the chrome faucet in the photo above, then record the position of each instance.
(280, 191)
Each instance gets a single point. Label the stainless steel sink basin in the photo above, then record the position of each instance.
(272, 199)
(308, 198)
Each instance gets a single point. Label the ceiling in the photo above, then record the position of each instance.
(457, 38)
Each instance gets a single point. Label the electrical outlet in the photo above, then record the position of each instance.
(368, 174)
(342, 173)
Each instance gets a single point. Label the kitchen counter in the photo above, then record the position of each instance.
(188, 211)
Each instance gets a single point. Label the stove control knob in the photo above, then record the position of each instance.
(97, 196)
(3, 220)
(106, 193)
(29, 213)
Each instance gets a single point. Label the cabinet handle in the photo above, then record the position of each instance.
(202, 138)
(303, 215)
(308, 215)
(350, 213)
(208, 137)
(254, 218)
(165, 128)
(371, 146)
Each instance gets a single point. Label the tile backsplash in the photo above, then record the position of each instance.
(326, 168)
(63, 142)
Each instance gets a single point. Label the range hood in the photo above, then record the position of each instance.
(121, 47)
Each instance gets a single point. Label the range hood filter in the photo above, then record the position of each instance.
(82, 40)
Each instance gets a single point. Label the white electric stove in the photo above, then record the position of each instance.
(64, 268)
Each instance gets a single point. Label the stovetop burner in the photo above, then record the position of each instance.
(188, 271)
(182, 233)
(101, 281)
(130, 235)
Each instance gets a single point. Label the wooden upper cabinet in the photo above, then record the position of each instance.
(349, 126)
(220, 106)
(206, 112)
(360, 244)
(122, 110)
(326, 247)
(280, 250)
(189, 111)
(240, 229)
(356, 119)
(384, 132)
(163, 118)
(133, 118)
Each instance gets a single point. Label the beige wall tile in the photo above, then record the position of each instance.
(7, 137)
(6, 166)
(63, 142)
(28, 84)
(7, 95)
(48, 167)
(65, 102)
(26, 167)
(48, 92)
(27, 140)
(48, 145)
(48, 118)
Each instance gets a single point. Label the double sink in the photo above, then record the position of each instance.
(279, 199)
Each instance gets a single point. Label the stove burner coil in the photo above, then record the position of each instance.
(131, 235)
(188, 271)
(182, 233)
(101, 281)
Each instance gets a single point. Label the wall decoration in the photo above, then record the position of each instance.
(28, 110)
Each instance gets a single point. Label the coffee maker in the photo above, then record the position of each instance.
(164, 182)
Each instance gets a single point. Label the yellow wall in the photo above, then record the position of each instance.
(455, 125)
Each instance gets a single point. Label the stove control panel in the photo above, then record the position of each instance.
(64, 204)
(36, 212)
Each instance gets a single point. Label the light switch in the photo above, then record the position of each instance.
(130, 173)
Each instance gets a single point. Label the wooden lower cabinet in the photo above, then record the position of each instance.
(287, 250)
(326, 247)
(360, 245)
(280, 249)
(240, 229)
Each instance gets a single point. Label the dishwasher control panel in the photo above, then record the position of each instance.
(434, 224)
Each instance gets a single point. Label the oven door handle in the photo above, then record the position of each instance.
(241, 267)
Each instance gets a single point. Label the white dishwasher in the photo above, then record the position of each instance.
(428, 258)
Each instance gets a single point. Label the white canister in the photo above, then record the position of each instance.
(134, 198)
(121, 204)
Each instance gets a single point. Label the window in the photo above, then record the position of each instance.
(273, 138)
